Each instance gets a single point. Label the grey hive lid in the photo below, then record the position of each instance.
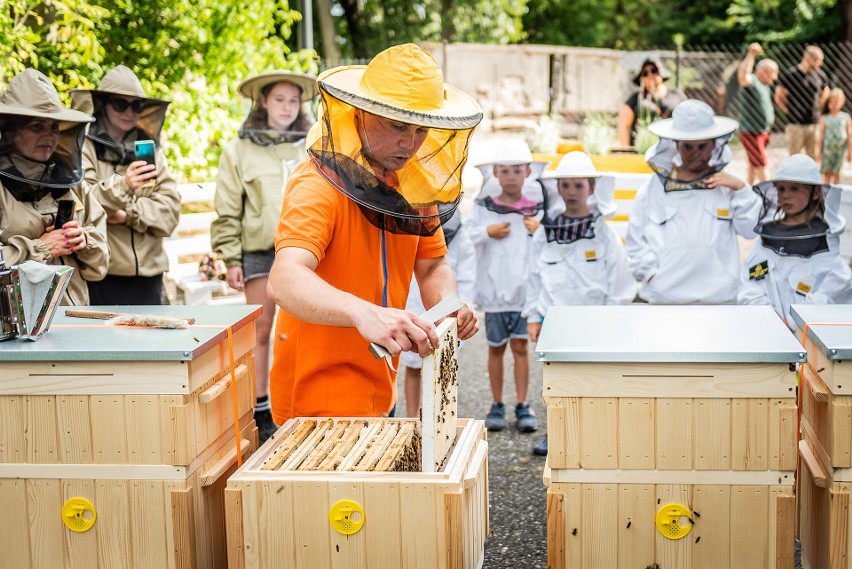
(834, 341)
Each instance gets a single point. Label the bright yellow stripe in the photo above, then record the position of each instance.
(625, 194)
(619, 217)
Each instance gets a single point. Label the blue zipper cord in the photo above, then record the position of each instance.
(384, 271)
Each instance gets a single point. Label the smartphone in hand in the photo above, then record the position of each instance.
(64, 213)
(145, 151)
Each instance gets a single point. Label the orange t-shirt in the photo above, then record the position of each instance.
(327, 370)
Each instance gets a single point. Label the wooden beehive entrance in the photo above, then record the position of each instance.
(349, 445)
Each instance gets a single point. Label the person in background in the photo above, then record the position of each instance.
(654, 100)
(461, 256)
(360, 217)
(504, 216)
(834, 138)
(576, 258)
(40, 168)
(801, 94)
(683, 228)
(253, 171)
(797, 260)
(141, 199)
(756, 113)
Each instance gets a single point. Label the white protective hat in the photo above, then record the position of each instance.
(578, 165)
(511, 152)
(693, 120)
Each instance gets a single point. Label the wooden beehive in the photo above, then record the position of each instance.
(656, 405)
(138, 422)
(825, 451)
(281, 518)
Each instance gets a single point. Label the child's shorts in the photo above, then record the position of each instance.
(500, 327)
(257, 263)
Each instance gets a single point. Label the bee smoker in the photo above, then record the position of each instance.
(8, 313)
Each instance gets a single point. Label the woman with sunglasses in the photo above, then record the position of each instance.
(653, 101)
(141, 199)
(253, 170)
(40, 176)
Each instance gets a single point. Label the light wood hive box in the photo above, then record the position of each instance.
(825, 451)
(138, 422)
(281, 504)
(649, 406)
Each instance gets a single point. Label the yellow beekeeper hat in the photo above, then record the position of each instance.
(403, 83)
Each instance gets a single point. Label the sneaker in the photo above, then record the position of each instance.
(540, 448)
(496, 418)
(527, 422)
(266, 427)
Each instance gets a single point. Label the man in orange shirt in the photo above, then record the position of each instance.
(360, 215)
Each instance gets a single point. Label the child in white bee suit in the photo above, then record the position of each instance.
(576, 258)
(461, 255)
(506, 213)
(797, 259)
(683, 228)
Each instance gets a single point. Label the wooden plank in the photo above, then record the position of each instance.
(710, 535)
(349, 551)
(439, 397)
(114, 537)
(599, 433)
(310, 521)
(557, 433)
(109, 441)
(675, 553)
(147, 518)
(74, 429)
(749, 527)
(573, 507)
(712, 430)
(92, 378)
(143, 436)
(636, 512)
(216, 359)
(674, 434)
(384, 540)
(742, 478)
(600, 502)
(420, 503)
(183, 522)
(234, 525)
(81, 549)
(289, 445)
(180, 437)
(15, 534)
(44, 500)
(782, 435)
(783, 508)
(742, 427)
(750, 445)
(13, 421)
(555, 527)
(636, 448)
(41, 429)
(255, 515)
(841, 430)
(678, 380)
(573, 453)
(90, 471)
(838, 524)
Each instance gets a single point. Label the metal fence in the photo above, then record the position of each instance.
(709, 72)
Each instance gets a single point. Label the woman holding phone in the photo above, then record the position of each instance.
(138, 192)
(46, 214)
(253, 170)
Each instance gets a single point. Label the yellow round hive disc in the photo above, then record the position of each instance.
(346, 517)
(669, 521)
(79, 514)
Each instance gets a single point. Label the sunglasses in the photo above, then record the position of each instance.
(647, 72)
(122, 105)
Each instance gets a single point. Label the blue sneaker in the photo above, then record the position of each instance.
(496, 418)
(527, 422)
(540, 448)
